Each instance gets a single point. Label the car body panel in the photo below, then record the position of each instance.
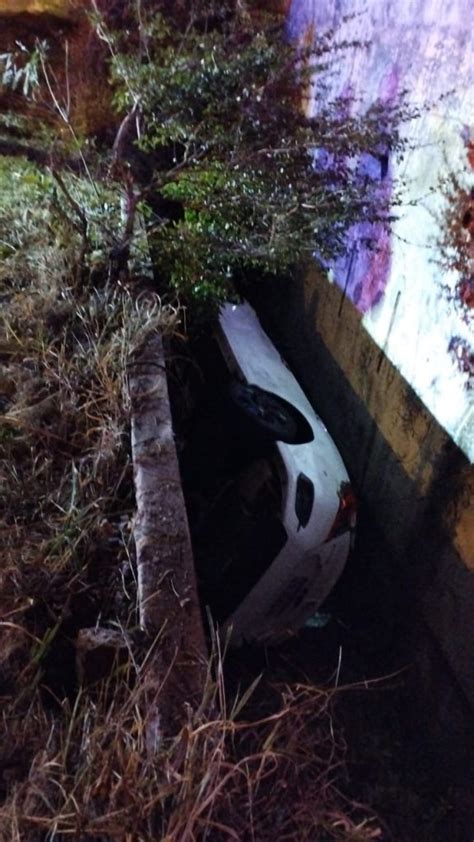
(308, 566)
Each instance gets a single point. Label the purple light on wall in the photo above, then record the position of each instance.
(362, 272)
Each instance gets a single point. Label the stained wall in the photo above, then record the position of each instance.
(408, 296)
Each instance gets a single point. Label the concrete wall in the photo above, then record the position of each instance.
(373, 350)
(415, 486)
(425, 48)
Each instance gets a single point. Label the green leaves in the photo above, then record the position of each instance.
(259, 184)
(20, 69)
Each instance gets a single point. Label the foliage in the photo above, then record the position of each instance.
(234, 771)
(21, 69)
(217, 153)
(217, 99)
(456, 249)
(64, 411)
(456, 243)
(74, 759)
(220, 181)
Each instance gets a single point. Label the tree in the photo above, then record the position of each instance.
(236, 176)
(216, 153)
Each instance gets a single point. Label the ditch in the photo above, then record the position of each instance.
(355, 640)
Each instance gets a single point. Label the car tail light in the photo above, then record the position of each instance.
(304, 500)
(346, 513)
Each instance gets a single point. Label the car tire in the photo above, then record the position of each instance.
(269, 416)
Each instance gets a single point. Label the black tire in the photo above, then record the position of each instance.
(268, 415)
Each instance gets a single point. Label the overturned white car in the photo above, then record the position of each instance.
(278, 533)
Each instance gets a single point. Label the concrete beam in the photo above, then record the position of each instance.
(167, 592)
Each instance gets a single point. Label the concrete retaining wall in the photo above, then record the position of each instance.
(416, 485)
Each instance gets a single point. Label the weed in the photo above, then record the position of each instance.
(222, 777)
(75, 761)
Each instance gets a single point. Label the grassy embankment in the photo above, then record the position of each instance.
(74, 759)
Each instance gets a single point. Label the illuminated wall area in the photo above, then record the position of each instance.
(384, 349)
(415, 304)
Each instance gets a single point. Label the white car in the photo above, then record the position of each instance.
(287, 515)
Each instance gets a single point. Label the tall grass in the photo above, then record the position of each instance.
(74, 759)
(224, 776)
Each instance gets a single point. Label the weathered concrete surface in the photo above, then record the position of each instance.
(169, 608)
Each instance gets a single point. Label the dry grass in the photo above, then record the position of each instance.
(65, 468)
(221, 778)
(74, 761)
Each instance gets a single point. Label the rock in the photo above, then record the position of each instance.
(99, 652)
